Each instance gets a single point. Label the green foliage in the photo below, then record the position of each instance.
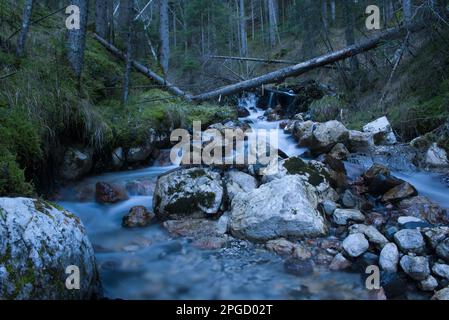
(12, 178)
(327, 108)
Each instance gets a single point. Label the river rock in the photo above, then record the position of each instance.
(37, 243)
(138, 216)
(400, 192)
(436, 157)
(242, 112)
(373, 235)
(238, 181)
(443, 249)
(299, 267)
(389, 258)
(350, 200)
(428, 284)
(359, 141)
(340, 263)
(355, 245)
(285, 207)
(443, 294)
(424, 208)
(441, 270)
(118, 158)
(204, 233)
(302, 131)
(192, 192)
(343, 216)
(410, 240)
(415, 266)
(77, 163)
(381, 131)
(326, 135)
(109, 193)
(281, 246)
(139, 154)
(435, 235)
(339, 152)
(328, 207)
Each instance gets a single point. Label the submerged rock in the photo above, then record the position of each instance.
(108, 193)
(340, 263)
(285, 207)
(193, 192)
(138, 216)
(38, 242)
(299, 267)
(205, 234)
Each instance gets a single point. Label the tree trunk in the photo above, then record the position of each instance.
(164, 34)
(111, 31)
(333, 11)
(242, 26)
(324, 13)
(26, 19)
(407, 8)
(129, 50)
(101, 18)
(301, 68)
(76, 39)
(273, 25)
(144, 70)
(349, 31)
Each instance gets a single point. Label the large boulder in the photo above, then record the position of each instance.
(38, 242)
(238, 181)
(436, 157)
(193, 192)
(285, 207)
(77, 163)
(381, 131)
(326, 135)
(359, 141)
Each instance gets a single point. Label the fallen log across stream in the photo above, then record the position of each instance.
(306, 66)
(144, 70)
(278, 75)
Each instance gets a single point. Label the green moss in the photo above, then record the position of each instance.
(296, 165)
(197, 173)
(189, 204)
(12, 177)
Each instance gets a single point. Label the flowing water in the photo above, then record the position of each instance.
(148, 263)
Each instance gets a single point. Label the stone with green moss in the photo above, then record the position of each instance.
(192, 192)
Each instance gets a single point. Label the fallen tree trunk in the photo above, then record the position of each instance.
(144, 70)
(301, 68)
(266, 61)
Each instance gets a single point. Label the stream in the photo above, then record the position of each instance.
(148, 263)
